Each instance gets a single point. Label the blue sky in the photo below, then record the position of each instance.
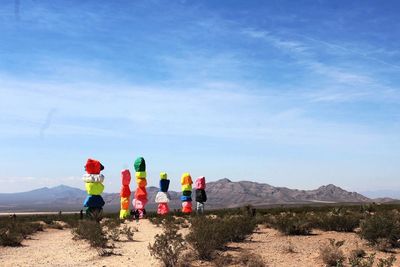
(290, 93)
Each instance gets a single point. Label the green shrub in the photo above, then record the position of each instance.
(386, 262)
(361, 261)
(210, 234)
(338, 222)
(292, 224)
(92, 232)
(10, 238)
(168, 246)
(381, 226)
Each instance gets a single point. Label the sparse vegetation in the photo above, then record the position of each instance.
(292, 224)
(92, 232)
(389, 262)
(210, 234)
(13, 233)
(250, 260)
(331, 254)
(381, 229)
(338, 221)
(168, 246)
(128, 232)
(289, 248)
(368, 261)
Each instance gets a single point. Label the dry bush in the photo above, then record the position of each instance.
(251, 260)
(12, 233)
(292, 224)
(383, 244)
(92, 232)
(358, 253)
(10, 238)
(386, 262)
(289, 248)
(356, 260)
(341, 222)
(128, 232)
(210, 234)
(186, 258)
(223, 260)
(55, 225)
(168, 246)
(381, 226)
(331, 254)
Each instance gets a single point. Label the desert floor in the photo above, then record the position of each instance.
(56, 248)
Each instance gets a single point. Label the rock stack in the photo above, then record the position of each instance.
(140, 200)
(125, 194)
(94, 187)
(162, 197)
(201, 195)
(186, 198)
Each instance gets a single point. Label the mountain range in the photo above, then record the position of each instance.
(221, 194)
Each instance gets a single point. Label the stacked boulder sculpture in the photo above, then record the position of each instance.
(94, 187)
(162, 197)
(201, 195)
(125, 194)
(186, 198)
(140, 200)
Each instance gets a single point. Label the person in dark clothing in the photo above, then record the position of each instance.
(136, 215)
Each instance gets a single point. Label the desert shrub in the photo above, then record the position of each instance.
(331, 254)
(381, 226)
(338, 222)
(210, 234)
(223, 260)
(250, 260)
(168, 246)
(386, 262)
(383, 244)
(356, 260)
(206, 235)
(358, 253)
(55, 225)
(289, 248)
(27, 229)
(10, 238)
(291, 224)
(128, 232)
(237, 228)
(368, 261)
(12, 233)
(92, 232)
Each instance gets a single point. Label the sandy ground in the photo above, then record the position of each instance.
(56, 248)
(273, 247)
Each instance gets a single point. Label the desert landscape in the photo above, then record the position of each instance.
(363, 235)
(205, 133)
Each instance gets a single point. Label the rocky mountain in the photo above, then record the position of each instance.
(221, 194)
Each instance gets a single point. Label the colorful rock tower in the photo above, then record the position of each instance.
(125, 194)
(94, 187)
(162, 197)
(140, 200)
(186, 198)
(201, 195)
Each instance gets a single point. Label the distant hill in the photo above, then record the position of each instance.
(394, 194)
(221, 194)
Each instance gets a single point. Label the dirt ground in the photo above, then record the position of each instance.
(273, 247)
(56, 248)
